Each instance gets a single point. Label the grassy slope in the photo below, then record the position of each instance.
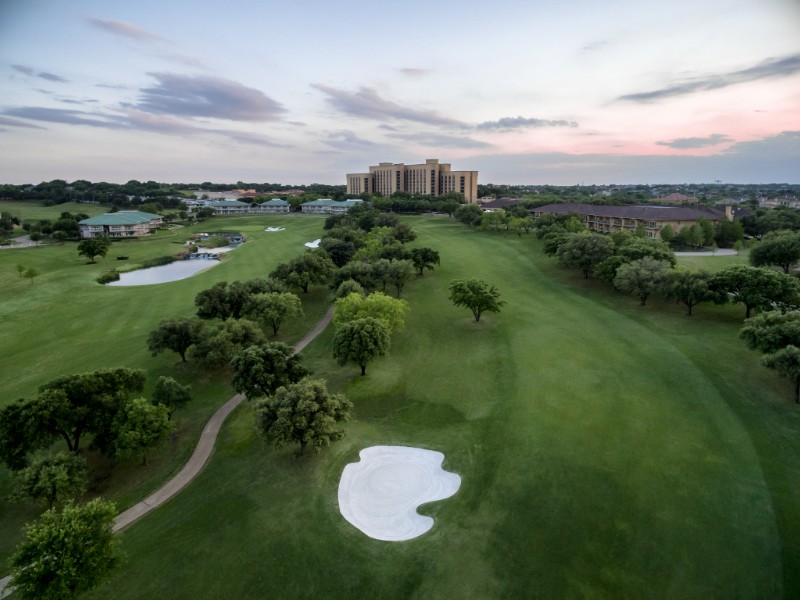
(34, 211)
(605, 450)
(66, 323)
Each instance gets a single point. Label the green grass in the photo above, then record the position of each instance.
(606, 451)
(712, 264)
(29, 210)
(65, 323)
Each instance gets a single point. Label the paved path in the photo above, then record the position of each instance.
(198, 460)
(717, 252)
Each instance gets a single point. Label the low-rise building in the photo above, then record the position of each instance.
(275, 206)
(122, 224)
(326, 206)
(608, 219)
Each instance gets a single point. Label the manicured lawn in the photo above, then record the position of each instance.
(65, 323)
(34, 211)
(606, 450)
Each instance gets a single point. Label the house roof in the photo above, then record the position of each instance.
(275, 202)
(650, 213)
(227, 204)
(123, 217)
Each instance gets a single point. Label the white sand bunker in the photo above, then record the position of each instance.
(314, 244)
(271, 229)
(380, 494)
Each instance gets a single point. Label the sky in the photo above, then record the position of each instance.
(296, 92)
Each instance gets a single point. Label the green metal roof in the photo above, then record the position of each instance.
(275, 202)
(123, 217)
(227, 204)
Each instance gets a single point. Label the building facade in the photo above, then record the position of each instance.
(122, 224)
(430, 178)
(326, 206)
(608, 219)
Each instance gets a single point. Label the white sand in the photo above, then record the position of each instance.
(271, 229)
(380, 494)
(314, 244)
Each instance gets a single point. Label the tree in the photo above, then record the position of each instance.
(30, 273)
(138, 426)
(469, 214)
(607, 270)
(171, 394)
(303, 412)
(68, 407)
(349, 286)
(641, 277)
(786, 362)
(66, 553)
(310, 268)
(177, 334)
(635, 248)
(213, 302)
(585, 251)
(476, 295)
(777, 335)
(400, 271)
(360, 341)
(340, 251)
(273, 308)
(21, 270)
(781, 249)
(424, 258)
(389, 311)
(688, 287)
(52, 478)
(91, 247)
(667, 234)
(772, 330)
(756, 288)
(262, 369)
(403, 232)
(218, 346)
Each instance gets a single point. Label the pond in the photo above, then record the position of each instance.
(180, 269)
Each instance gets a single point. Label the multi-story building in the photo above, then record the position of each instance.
(431, 179)
(122, 224)
(608, 219)
(326, 206)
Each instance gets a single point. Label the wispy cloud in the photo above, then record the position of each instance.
(345, 139)
(125, 30)
(367, 104)
(17, 123)
(40, 74)
(63, 115)
(24, 70)
(438, 140)
(772, 67)
(52, 77)
(128, 119)
(511, 123)
(689, 143)
(213, 97)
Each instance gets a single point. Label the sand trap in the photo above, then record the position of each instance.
(314, 244)
(380, 494)
(271, 229)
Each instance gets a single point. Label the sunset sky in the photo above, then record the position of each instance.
(295, 92)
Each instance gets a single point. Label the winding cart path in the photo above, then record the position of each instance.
(196, 462)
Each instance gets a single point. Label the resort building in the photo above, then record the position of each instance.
(431, 178)
(122, 224)
(608, 219)
(237, 207)
(326, 206)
